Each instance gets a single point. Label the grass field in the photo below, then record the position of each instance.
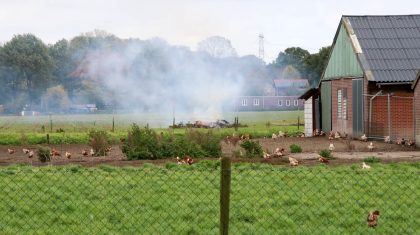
(32, 130)
(175, 199)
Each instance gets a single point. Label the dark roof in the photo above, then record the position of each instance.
(390, 46)
(309, 93)
(286, 83)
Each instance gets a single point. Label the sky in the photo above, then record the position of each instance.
(308, 24)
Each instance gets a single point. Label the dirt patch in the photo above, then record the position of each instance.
(311, 146)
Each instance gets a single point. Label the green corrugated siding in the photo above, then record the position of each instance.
(343, 61)
(326, 106)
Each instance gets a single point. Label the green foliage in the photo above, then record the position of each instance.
(144, 143)
(326, 153)
(252, 148)
(295, 148)
(43, 154)
(99, 141)
(372, 159)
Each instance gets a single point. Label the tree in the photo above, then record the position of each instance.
(56, 99)
(294, 56)
(316, 64)
(217, 47)
(28, 58)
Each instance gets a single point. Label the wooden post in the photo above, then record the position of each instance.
(48, 138)
(113, 124)
(224, 195)
(298, 122)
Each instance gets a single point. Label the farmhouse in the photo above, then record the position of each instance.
(370, 82)
(268, 103)
(286, 87)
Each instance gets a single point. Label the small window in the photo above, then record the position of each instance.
(296, 102)
(287, 102)
(342, 103)
(256, 102)
(244, 102)
(280, 102)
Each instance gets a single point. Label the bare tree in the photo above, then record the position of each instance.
(217, 46)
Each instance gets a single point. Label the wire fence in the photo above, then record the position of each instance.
(204, 198)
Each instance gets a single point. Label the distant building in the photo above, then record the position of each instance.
(268, 103)
(83, 108)
(287, 87)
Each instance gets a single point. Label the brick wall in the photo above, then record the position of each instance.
(401, 106)
(341, 125)
(417, 114)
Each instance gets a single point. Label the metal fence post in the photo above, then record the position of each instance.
(389, 116)
(224, 195)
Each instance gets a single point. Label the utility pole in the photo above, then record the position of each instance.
(261, 47)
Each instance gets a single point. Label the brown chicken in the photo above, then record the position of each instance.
(323, 160)
(68, 155)
(85, 153)
(372, 218)
(25, 151)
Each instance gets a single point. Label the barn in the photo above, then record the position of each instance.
(370, 82)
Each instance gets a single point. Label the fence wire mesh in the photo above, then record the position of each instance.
(184, 199)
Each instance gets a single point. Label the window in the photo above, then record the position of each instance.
(342, 103)
(244, 102)
(256, 102)
(280, 102)
(296, 102)
(287, 102)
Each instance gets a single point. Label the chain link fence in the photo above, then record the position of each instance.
(203, 198)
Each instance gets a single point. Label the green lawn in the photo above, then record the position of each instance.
(32, 130)
(184, 199)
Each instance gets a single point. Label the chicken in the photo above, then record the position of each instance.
(25, 151)
(365, 166)
(321, 133)
(401, 141)
(68, 155)
(55, 153)
(293, 161)
(364, 138)
(278, 152)
(122, 140)
(30, 154)
(188, 160)
(372, 218)
(410, 142)
(370, 146)
(316, 132)
(337, 135)
(331, 136)
(387, 139)
(92, 153)
(281, 134)
(331, 147)
(266, 155)
(179, 161)
(323, 159)
(302, 135)
(85, 152)
(11, 151)
(273, 136)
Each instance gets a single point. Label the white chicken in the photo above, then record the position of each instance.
(293, 161)
(370, 146)
(387, 139)
(331, 147)
(273, 136)
(365, 166)
(363, 138)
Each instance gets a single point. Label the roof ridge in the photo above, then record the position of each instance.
(379, 15)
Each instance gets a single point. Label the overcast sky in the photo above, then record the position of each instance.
(309, 24)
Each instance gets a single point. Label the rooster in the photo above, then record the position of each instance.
(331, 147)
(25, 151)
(11, 151)
(293, 161)
(68, 155)
(323, 159)
(85, 152)
(365, 166)
(372, 218)
(364, 138)
(387, 139)
(370, 146)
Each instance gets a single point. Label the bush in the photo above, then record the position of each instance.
(295, 148)
(372, 160)
(144, 143)
(326, 154)
(99, 141)
(44, 154)
(252, 149)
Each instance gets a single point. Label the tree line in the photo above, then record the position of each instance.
(91, 67)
